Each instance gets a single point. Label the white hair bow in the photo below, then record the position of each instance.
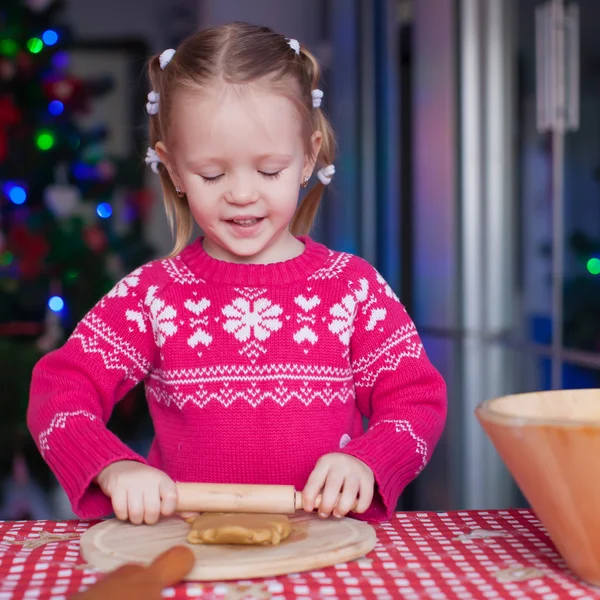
(317, 97)
(152, 159)
(294, 45)
(165, 58)
(152, 104)
(325, 174)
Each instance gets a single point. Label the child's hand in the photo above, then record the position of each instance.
(339, 473)
(138, 492)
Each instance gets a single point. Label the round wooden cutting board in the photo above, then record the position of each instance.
(314, 544)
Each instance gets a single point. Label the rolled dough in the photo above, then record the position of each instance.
(240, 528)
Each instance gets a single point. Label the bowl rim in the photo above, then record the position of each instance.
(485, 412)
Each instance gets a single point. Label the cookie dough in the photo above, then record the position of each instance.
(240, 528)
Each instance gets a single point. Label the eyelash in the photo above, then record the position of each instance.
(275, 175)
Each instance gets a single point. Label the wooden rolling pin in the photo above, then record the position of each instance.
(224, 497)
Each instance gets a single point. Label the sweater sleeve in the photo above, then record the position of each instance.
(74, 390)
(397, 389)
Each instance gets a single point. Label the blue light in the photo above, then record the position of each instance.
(83, 171)
(50, 37)
(104, 210)
(61, 60)
(16, 193)
(56, 303)
(56, 107)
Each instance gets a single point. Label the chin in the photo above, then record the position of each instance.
(245, 249)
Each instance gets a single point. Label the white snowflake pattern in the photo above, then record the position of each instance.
(259, 319)
(344, 312)
(200, 335)
(343, 317)
(161, 317)
(122, 288)
(386, 287)
(362, 292)
(376, 315)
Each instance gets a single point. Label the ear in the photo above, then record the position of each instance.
(163, 154)
(316, 141)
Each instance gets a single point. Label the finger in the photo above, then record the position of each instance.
(365, 497)
(313, 486)
(135, 506)
(168, 499)
(188, 517)
(119, 504)
(151, 506)
(347, 500)
(331, 491)
(170, 567)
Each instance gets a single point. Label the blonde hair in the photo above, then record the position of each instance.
(240, 53)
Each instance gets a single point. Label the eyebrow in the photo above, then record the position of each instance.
(260, 158)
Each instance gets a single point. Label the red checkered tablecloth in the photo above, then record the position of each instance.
(465, 555)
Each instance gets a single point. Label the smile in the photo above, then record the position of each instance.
(246, 222)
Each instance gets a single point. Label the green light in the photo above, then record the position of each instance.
(8, 47)
(35, 45)
(72, 275)
(593, 266)
(5, 259)
(44, 140)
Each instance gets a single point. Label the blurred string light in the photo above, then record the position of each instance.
(60, 60)
(35, 45)
(50, 37)
(8, 47)
(16, 193)
(56, 107)
(593, 266)
(44, 140)
(83, 171)
(56, 303)
(104, 210)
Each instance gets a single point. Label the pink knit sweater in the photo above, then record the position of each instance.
(252, 372)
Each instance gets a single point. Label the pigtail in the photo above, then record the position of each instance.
(307, 211)
(179, 217)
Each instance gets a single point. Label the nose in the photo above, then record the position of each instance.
(242, 192)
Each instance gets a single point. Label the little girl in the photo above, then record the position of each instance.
(260, 349)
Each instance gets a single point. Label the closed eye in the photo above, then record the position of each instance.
(274, 175)
(212, 179)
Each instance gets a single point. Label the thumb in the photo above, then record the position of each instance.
(188, 517)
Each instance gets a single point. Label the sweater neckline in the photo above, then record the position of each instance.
(219, 271)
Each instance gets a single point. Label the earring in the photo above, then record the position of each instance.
(179, 192)
(305, 181)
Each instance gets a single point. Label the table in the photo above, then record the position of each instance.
(464, 555)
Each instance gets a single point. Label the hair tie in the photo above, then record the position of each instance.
(152, 104)
(294, 45)
(317, 96)
(165, 58)
(325, 174)
(152, 159)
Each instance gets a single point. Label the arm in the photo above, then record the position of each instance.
(75, 388)
(397, 389)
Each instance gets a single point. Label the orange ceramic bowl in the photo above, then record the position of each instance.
(550, 442)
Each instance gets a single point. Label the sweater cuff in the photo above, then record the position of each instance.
(89, 451)
(394, 462)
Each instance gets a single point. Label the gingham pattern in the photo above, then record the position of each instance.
(465, 555)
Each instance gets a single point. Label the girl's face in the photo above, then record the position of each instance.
(238, 155)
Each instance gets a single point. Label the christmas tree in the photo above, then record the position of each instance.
(71, 215)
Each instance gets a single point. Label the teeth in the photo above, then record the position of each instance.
(246, 222)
